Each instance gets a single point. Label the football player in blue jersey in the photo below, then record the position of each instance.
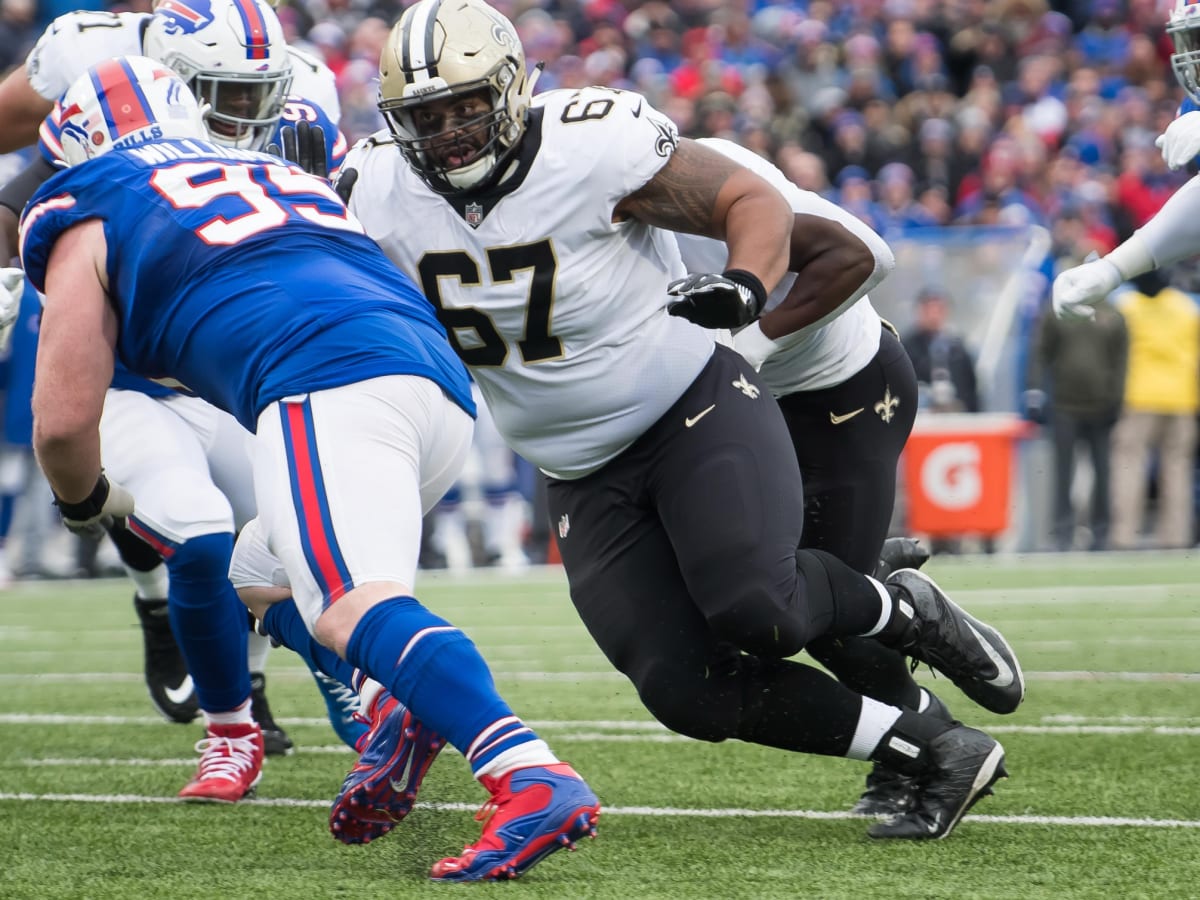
(1181, 141)
(247, 280)
(170, 447)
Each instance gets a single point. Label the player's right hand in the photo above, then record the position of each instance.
(303, 144)
(12, 286)
(713, 301)
(1076, 291)
(1181, 141)
(107, 503)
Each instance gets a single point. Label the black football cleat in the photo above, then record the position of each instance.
(964, 764)
(275, 740)
(900, 553)
(971, 653)
(889, 792)
(167, 679)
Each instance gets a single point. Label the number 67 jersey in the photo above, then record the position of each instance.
(559, 312)
(240, 278)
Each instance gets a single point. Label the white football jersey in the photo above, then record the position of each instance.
(818, 357)
(559, 311)
(76, 41)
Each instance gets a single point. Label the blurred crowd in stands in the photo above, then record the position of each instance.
(909, 113)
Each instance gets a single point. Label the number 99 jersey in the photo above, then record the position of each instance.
(559, 311)
(239, 277)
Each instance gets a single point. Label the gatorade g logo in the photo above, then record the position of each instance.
(950, 476)
(184, 16)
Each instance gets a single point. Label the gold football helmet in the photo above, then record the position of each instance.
(455, 92)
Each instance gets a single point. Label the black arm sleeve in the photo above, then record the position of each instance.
(17, 192)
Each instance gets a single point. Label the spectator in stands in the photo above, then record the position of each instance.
(1075, 384)
(855, 195)
(18, 31)
(945, 369)
(897, 210)
(1162, 397)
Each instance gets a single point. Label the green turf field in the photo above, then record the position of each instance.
(1103, 802)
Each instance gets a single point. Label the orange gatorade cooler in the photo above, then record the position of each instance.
(958, 472)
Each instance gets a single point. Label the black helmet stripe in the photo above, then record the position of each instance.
(417, 41)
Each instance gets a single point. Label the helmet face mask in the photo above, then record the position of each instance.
(125, 102)
(1184, 30)
(233, 56)
(455, 92)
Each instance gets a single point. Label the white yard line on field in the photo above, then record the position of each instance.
(646, 811)
(31, 678)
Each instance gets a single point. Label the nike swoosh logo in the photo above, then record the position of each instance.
(637, 112)
(1004, 672)
(180, 694)
(688, 423)
(838, 420)
(935, 824)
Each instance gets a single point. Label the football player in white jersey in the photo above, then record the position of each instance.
(186, 460)
(538, 227)
(849, 396)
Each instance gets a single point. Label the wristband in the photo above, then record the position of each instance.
(754, 345)
(751, 281)
(88, 508)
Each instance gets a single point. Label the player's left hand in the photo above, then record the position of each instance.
(1077, 291)
(12, 285)
(304, 145)
(1181, 141)
(343, 185)
(107, 502)
(715, 301)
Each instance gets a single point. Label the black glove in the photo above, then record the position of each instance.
(344, 185)
(303, 144)
(730, 300)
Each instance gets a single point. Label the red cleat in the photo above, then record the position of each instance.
(382, 787)
(533, 812)
(231, 760)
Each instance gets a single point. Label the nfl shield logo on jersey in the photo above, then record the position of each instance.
(474, 214)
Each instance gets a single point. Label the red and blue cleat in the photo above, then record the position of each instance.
(532, 812)
(382, 787)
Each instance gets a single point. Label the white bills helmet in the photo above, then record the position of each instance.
(233, 56)
(124, 102)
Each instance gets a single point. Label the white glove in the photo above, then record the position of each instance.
(1076, 291)
(1181, 141)
(12, 285)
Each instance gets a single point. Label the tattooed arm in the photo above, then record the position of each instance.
(700, 191)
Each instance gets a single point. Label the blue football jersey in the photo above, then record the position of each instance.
(240, 277)
(295, 110)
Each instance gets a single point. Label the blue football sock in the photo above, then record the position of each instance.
(209, 621)
(434, 670)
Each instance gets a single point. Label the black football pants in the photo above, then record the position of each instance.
(848, 440)
(682, 562)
